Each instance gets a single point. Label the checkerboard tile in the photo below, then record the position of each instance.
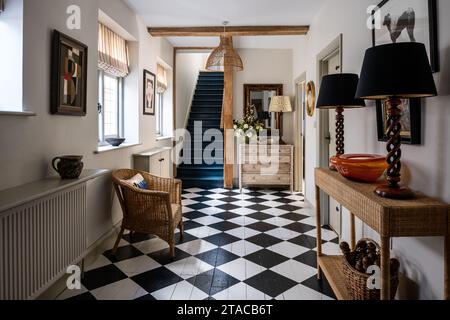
(254, 245)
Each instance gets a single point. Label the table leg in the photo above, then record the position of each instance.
(319, 232)
(447, 268)
(385, 268)
(352, 231)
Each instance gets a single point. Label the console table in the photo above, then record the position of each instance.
(420, 217)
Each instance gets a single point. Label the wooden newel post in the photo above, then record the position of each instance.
(228, 121)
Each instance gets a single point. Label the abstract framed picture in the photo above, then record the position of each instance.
(411, 121)
(408, 21)
(149, 93)
(69, 76)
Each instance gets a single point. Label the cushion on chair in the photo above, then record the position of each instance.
(138, 181)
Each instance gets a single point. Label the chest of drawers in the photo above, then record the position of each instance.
(266, 165)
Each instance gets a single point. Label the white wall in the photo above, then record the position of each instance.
(29, 144)
(265, 66)
(11, 29)
(426, 166)
(189, 64)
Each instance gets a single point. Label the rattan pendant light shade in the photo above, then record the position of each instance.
(224, 56)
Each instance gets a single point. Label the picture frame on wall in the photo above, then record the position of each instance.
(149, 93)
(411, 121)
(68, 76)
(408, 21)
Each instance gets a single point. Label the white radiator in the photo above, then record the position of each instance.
(39, 240)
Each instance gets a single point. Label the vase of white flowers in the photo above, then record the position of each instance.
(249, 127)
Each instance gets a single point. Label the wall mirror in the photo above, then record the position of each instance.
(260, 96)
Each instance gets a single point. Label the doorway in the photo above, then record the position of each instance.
(329, 61)
(300, 134)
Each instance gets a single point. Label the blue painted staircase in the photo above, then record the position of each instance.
(206, 108)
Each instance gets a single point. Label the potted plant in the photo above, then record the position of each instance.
(249, 127)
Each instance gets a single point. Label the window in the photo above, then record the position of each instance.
(11, 56)
(110, 106)
(162, 84)
(159, 113)
(113, 68)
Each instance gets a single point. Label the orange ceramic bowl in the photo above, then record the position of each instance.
(360, 167)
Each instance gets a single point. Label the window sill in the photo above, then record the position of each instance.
(17, 113)
(104, 149)
(164, 138)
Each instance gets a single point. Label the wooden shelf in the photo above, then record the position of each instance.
(418, 217)
(331, 267)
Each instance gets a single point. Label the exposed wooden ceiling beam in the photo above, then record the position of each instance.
(231, 31)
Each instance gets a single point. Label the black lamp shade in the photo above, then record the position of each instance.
(338, 90)
(398, 70)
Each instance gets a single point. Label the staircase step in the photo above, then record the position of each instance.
(206, 122)
(207, 103)
(206, 109)
(210, 82)
(199, 172)
(214, 156)
(204, 183)
(211, 74)
(196, 141)
(192, 130)
(209, 87)
(204, 162)
(208, 97)
(205, 115)
(209, 91)
(200, 166)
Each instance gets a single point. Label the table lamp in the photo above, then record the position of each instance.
(280, 105)
(393, 72)
(337, 91)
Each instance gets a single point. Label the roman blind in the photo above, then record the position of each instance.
(112, 52)
(161, 79)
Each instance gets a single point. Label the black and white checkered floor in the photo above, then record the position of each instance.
(257, 245)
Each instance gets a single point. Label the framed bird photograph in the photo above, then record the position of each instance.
(407, 21)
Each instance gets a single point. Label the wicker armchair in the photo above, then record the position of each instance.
(156, 211)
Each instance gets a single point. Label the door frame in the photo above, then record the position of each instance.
(300, 133)
(323, 156)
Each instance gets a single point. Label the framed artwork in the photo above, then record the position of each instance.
(411, 121)
(69, 76)
(408, 21)
(149, 93)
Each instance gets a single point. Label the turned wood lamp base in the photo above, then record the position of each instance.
(339, 134)
(393, 190)
(398, 193)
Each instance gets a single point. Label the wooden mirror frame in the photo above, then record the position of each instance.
(260, 87)
(310, 98)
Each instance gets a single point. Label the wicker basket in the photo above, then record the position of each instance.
(357, 281)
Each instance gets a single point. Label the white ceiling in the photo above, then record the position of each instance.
(196, 13)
